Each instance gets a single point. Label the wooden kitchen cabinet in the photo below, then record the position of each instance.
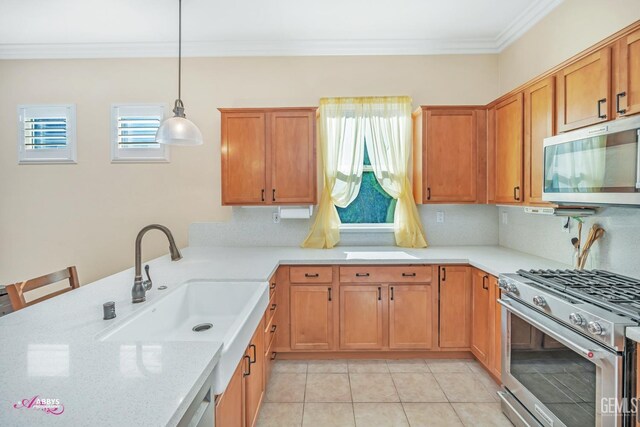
(254, 377)
(495, 356)
(539, 123)
(230, 404)
(583, 95)
(312, 319)
(480, 309)
(410, 317)
(455, 307)
(268, 156)
(627, 75)
(446, 167)
(505, 151)
(361, 317)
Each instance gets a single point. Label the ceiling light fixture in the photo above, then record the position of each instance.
(178, 130)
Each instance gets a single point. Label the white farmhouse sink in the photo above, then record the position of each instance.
(234, 309)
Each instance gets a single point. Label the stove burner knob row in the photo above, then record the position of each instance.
(539, 301)
(507, 287)
(595, 328)
(576, 319)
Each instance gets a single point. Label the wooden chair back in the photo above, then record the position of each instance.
(16, 291)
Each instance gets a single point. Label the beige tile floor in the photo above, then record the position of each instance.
(380, 393)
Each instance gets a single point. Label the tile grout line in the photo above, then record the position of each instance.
(304, 395)
(399, 398)
(353, 406)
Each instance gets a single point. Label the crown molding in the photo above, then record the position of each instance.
(231, 48)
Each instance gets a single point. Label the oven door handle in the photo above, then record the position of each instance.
(587, 353)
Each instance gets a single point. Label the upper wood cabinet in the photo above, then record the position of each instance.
(312, 317)
(539, 121)
(410, 317)
(584, 87)
(505, 151)
(627, 75)
(481, 327)
(446, 165)
(455, 307)
(268, 156)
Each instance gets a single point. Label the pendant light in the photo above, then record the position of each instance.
(178, 130)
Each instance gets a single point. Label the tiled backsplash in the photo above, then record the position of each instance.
(463, 225)
(544, 236)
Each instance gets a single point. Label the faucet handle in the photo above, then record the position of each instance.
(147, 283)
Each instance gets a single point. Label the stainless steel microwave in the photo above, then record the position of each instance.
(595, 165)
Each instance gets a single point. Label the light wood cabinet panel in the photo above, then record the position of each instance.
(539, 121)
(361, 317)
(505, 158)
(312, 317)
(244, 150)
(410, 317)
(627, 72)
(311, 274)
(230, 405)
(254, 377)
(455, 307)
(583, 91)
(293, 157)
(481, 327)
(496, 354)
(386, 274)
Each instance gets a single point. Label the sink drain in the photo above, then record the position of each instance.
(202, 327)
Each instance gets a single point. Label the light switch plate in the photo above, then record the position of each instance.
(505, 218)
(440, 216)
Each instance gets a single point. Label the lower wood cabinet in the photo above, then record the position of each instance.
(312, 319)
(361, 317)
(495, 357)
(254, 378)
(480, 308)
(410, 317)
(230, 405)
(455, 307)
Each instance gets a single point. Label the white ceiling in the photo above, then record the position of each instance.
(129, 28)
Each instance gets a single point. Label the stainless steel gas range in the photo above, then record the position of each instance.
(566, 361)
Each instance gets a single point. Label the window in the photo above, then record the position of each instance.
(46, 134)
(371, 206)
(133, 134)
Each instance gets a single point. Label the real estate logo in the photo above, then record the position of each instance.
(48, 405)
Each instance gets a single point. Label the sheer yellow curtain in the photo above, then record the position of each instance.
(388, 139)
(341, 125)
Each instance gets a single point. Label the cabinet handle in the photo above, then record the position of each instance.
(408, 274)
(392, 293)
(273, 328)
(379, 293)
(255, 354)
(362, 274)
(329, 289)
(516, 193)
(444, 274)
(428, 193)
(246, 374)
(273, 195)
(311, 275)
(262, 195)
(273, 355)
(273, 286)
(600, 102)
(484, 282)
(273, 307)
(618, 96)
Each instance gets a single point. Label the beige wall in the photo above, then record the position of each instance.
(569, 29)
(88, 214)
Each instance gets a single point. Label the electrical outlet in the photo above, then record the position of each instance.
(276, 218)
(505, 218)
(440, 216)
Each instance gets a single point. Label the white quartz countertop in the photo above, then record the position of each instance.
(50, 350)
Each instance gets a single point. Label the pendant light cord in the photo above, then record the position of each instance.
(180, 50)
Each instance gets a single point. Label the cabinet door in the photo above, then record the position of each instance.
(254, 377)
(243, 158)
(539, 118)
(410, 317)
(312, 317)
(455, 307)
(450, 156)
(506, 151)
(229, 407)
(583, 91)
(481, 332)
(627, 69)
(293, 157)
(361, 317)
(496, 354)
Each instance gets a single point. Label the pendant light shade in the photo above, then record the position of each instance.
(178, 130)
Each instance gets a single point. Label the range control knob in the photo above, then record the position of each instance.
(539, 301)
(507, 287)
(576, 319)
(595, 328)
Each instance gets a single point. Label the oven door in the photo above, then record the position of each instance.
(558, 375)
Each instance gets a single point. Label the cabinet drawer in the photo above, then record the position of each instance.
(390, 274)
(270, 332)
(310, 274)
(271, 309)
